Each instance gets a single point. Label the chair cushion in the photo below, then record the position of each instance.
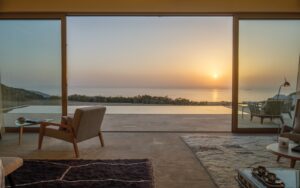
(11, 164)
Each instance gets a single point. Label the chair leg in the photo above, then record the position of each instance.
(278, 158)
(75, 148)
(281, 119)
(101, 138)
(251, 118)
(261, 120)
(290, 115)
(41, 136)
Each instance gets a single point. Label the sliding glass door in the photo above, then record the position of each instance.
(268, 67)
(169, 73)
(140, 66)
(30, 69)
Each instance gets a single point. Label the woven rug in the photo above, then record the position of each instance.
(222, 155)
(85, 173)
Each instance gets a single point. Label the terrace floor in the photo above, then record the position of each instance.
(166, 122)
(173, 163)
(155, 118)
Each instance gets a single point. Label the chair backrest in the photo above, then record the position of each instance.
(287, 105)
(273, 107)
(254, 108)
(87, 122)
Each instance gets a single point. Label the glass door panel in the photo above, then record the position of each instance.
(30, 69)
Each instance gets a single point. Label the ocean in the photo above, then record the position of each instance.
(211, 95)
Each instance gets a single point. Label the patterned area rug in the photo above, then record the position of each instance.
(222, 155)
(85, 173)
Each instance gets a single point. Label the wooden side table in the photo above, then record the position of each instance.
(284, 152)
(25, 124)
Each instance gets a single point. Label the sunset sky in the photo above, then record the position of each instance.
(149, 52)
(30, 54)
(269, 51)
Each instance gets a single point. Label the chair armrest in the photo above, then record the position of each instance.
(55, 124)
(64, 126)
(286, 129)
(67, 120)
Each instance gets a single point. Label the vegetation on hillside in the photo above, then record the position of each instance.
(13, 97)
(140, 99)
(12, 94)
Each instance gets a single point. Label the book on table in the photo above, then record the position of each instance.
(290, 177)
(34, 121)
(296, 149)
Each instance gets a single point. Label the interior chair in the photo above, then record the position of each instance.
(293, 132)
(85, 124)
(270, 109)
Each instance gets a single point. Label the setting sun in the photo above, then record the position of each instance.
(215, 76)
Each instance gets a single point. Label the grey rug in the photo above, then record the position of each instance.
(222, 155)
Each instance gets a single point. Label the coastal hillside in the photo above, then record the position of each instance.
(13, 97)
(16, 97)
(17, 94)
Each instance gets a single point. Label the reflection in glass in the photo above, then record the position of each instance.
(268, 59)
(30, 67)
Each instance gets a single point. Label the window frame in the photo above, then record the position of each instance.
(236, 17)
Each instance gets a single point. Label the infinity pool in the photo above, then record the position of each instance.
(131, 109)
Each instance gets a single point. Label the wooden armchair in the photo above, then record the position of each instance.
(85, 124)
